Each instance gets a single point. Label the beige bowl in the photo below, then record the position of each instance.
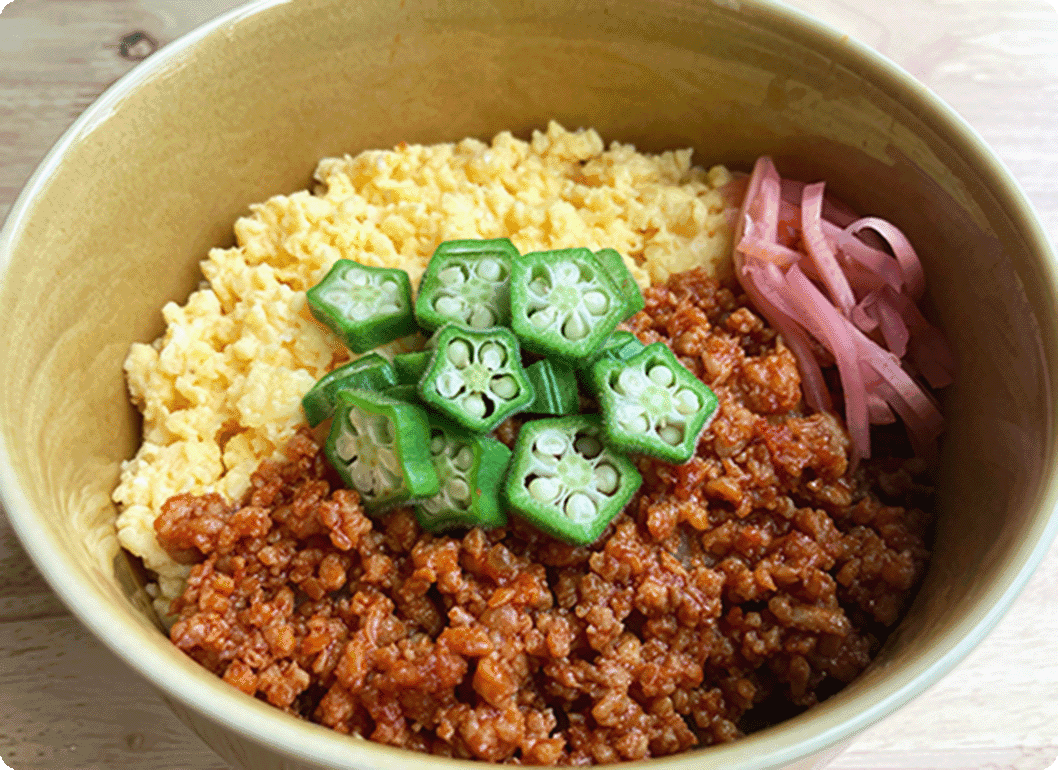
(115, 220)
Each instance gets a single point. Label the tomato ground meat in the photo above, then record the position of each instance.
(735, 590)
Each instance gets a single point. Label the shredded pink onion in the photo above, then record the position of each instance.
(819, 250)
(770, 251)
(816, 270)
(765, 292)
(910, 266)
(833, 210)
(759, 216)
(834, 331)
(882, 314)
(879, 411)
(859, 257)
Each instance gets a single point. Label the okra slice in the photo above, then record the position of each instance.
(466, 282)
(626, 284)
(566, 481)
(555, 386)
(370, 372)
(365, 306)
(402, 392)
(651, 404)
(476, 377)
(619, 346)
(410, 367)
(563, 303)
(381, 448)
(471, 469)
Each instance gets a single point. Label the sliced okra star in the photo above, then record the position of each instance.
(555, 385)
(626, 284)
(365, 306)
(466, 282)
(651, 404)
(476, 377)
(381, 448)
(471, 468)
(564, 480)
(370, 372)
(563, 303)
(410, 367)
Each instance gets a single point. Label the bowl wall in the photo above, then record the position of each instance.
(113, 226)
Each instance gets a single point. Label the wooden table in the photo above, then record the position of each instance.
(67, 702)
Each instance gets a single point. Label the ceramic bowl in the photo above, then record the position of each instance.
(114, 222)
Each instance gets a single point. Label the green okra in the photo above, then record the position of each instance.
(476, 377)
(466, 282)
(471, 468)
(369, 372)
(410, 367)
(380, 448)
(564, 480)
(626, 284)
(620, 346)
(365, 306)
(403, 392)
(555, 386)
(563, 304)
(651, 404)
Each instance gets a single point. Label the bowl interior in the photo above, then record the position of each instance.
(115, 222)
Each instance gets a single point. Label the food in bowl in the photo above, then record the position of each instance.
(735, 589)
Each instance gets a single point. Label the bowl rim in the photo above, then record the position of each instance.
(773, 747)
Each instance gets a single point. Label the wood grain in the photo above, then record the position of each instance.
(66, 702)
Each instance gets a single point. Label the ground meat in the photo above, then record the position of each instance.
(735, 590)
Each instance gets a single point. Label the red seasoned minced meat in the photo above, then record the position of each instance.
(735, 590)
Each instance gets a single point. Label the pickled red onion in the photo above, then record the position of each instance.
(794, 246)
(819, 250)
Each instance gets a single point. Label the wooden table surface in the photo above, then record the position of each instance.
(67, 702)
